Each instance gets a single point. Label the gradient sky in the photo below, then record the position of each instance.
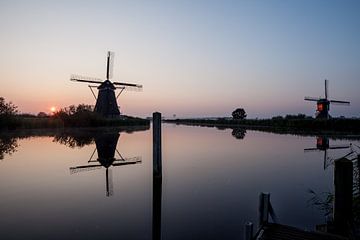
(194, 58)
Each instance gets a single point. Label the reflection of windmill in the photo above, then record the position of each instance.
(106, 103)
(322, 144)
(106, 148)
(323, 104)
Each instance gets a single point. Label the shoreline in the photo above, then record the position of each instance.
(349, 128)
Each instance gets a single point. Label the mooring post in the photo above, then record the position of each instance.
(157, 177)
(157, 165)
(358, 166)
(264, 206)
(343, 181)
(249, 228)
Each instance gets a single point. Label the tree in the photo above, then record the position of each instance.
(239, 113)
(42, 115)
(7, 108)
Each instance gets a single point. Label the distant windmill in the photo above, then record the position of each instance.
(106, 102)
(106, 147)
(323, 104)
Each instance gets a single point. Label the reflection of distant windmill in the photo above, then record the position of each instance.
(106, 147)
(323, 104)
(322, 144)
(106, 103)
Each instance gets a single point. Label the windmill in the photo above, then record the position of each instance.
(106, 101)
(323, 104)
(322, 144)
(106, 147)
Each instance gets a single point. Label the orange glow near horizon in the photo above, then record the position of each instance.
(53, 109)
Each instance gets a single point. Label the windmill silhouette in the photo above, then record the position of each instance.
(106, 101)
(322, 144)
(323, 104)
(106, 148)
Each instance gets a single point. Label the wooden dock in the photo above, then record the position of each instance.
(274, 231)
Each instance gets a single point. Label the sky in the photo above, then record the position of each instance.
(194, 58)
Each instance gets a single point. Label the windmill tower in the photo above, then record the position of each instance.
(106, 101)
(323, 104)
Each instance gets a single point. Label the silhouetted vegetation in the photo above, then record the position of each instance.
(8, 113)
(72, 116)
(239, 113)
(84, 116)
(290, 123)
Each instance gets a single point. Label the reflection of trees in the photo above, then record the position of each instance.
(8, 145)
(239, 133)
(73, 141)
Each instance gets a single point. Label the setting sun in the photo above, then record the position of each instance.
(53, 109)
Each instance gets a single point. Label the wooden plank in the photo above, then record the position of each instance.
(273, 231)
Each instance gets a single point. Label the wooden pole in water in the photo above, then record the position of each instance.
(343, 181)
(157, 177)
(264, 206)
(157, 165)
(249, 228)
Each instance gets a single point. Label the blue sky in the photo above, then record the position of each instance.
(194, 58)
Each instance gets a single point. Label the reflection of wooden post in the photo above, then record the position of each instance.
(343, 181)
(157, 166)
(264, 207)
(248, 235)
(156, 221)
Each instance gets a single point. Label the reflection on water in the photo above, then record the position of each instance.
(209, 189)
(322, 144)
(8, 145)
(105, 147)
(238, 133)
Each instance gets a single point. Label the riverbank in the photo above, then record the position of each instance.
(33, 122)
(306, 126)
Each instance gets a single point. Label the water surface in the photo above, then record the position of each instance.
(211, 182)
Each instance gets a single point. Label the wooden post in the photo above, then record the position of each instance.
(157, 165)
(157, 177)
(249, 228)
(343, 181)
(264, 206)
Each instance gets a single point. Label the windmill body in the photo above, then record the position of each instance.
(106, 104)
(106, 100)
(323, 104)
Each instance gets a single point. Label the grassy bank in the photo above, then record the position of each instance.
(88, 120)
(280, 124)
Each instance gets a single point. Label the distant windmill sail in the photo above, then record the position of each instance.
(106, 101)
(323, 104)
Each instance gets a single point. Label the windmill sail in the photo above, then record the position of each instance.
(110, 65)
(326, 88)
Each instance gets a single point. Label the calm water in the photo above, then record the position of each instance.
(210, 188)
